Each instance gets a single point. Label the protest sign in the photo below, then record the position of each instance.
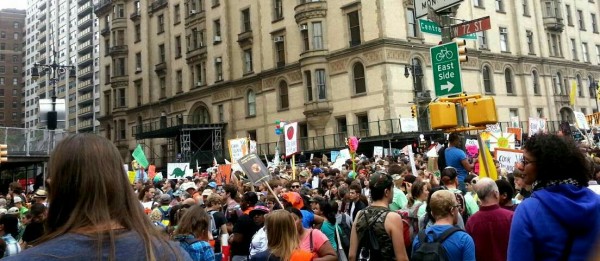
(409, 125)
(518, 132)
(224, 174)
(254, 168)
(178, 170)
(536, 125)
(507, 158)
(501, 140)
(237, 148)
(151, 171)
(377, 151)
(131, 176)
(334, 155)
(252, 146)
(291, 138)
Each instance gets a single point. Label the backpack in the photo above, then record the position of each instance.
(216, 231)
(462, 204)
(407, 230)
(368, 245)
(411, 223)
(346, 229)
(165, 215)
(187, 243)
(344, 239)
(434, 250)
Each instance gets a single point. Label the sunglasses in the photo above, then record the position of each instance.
(295, 186)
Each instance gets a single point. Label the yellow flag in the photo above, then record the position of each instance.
(486, 161)
(573, 93)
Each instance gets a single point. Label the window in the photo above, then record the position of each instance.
(217, 27)
(536, 82)
(138, 62)
(482, 39)
(309, 90)
(525, 7)
(555, 45)
(280, 51)
(584, 50)
(508, 78)
(579, 85)
(580, 20)
(592, 87)
(218, 69)
(176, 14)
(354, 27)
(594, 23)
(15, 82)
(107, 74)
(504, 39)
(122, 129)
(119, 11)
(251, 103)
(2, 35)
(177, 46)
(569, 16)
(248, 61)
(161, 53)
(121, 98)
(358, 71)
(161, 23)
(363, 124)
(277, 9)
(284, 100)
(15, 59)
(317, 36)
(557, 82)
(321, 86)
(246, 26)
(179, 77)
(15, 69)
(215, 3)
(16, 25)
(478, 3)
(2, 83)
(305, 38)
(138, 33)
(2, 58)
(487, 79)
(2, 69)
(221, 111)
(138, 92)
(499, 6)
(530, 41)
(574, 49)
(16, 36)
(598, 54)
(513, 112)
(2, 46)
(163, 87)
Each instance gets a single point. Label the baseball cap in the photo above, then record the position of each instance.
(207, 192)
(259, 210)
(3, 211)
(304, 173)
(13, 211)
(380, 180)
(212, 184)
(17, 200)
(396, 177)
(293, 198)
(165, 198)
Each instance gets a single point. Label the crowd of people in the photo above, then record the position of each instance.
(545, 210)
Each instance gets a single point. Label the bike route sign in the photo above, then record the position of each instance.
(446, 69)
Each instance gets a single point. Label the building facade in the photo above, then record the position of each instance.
(12, 22)
(337, 67)
(63, 32)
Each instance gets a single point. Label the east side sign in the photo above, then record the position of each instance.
(422, 6)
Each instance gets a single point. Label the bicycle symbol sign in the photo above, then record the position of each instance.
(446, 69)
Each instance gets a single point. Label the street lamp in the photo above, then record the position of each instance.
(54, 70)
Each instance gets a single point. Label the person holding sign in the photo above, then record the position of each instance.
(457, 159)
(561, 219)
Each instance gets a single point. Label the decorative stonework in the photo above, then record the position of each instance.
(294, 77)
(373, 57)
(473, 63)
(269, 83)
(338, 66)
(397, 55)
(222, 95)
(178, 106)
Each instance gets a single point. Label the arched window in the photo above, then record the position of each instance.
(108, 132)
(251, 103)
(358, 71)
(418, 74)
(557, 82)
(487, 79)
(536, 82)
(508, 78)
(579, 85)
(284, 100)
(200, 116)
(592, 86)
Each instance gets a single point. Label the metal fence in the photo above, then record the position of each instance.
(30, 142)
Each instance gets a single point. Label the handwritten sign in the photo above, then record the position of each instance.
(507, 158)
(493, 128)
(377, 151)
(252, 146)
(536, 125)
(238, 148)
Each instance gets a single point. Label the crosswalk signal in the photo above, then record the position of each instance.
(413, 111)
(3, 153)
(462, 50)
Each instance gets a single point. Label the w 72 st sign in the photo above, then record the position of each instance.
(473, 26)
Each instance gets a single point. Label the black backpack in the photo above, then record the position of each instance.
(368, 246)
(432, 251)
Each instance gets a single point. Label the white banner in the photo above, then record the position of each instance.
(178, 170)
(238, 148)
(291, 138)
(409, 125)
(581, 121)
(377, 151)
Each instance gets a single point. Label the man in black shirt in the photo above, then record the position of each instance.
(35, 229)
(243, 230)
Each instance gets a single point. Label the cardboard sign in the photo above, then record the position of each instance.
(224, 174)
(536, 125)
(131, 176)
(409, 125)
(151, 171)
(471, 142)
(334, 155)
(254, 168)
(493, 128)
(178, 170)
(377, 151)
(518, 132)
(291, 139)
(507, 158)
(237, 148)
(501, 140)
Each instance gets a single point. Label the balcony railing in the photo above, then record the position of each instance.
(157, 5)
(30, 142)
(118, 49)
(310, 9)
(102, 7)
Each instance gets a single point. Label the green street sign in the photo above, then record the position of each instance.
(430, 27)
(446, 69)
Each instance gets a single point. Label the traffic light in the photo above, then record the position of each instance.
(462, 50)
(413, 111)
(481, 111)
(443, 115)
(3, 153)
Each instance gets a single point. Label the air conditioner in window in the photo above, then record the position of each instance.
(201, 44)
(220, 78)
(278, 39)
(138, 69)
(193, 12)
(218, 60)
(199, 84)
(303, 27)
(217, 38)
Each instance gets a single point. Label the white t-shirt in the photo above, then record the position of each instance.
(147, 205)
(259, 242)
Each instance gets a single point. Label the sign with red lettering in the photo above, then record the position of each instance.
(473, 26)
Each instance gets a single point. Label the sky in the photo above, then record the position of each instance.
(19, 4)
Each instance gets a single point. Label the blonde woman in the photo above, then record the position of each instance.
(282, 235)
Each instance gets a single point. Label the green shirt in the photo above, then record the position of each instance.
(329, 231)
(399, 201)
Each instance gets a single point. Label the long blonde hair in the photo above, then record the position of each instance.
(282, 234)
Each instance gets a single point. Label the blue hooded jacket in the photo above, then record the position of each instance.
(554, 223)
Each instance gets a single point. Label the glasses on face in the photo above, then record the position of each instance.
(295, 186)
(526, 162)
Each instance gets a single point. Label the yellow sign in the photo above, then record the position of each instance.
(573, 92)
(131, 176)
